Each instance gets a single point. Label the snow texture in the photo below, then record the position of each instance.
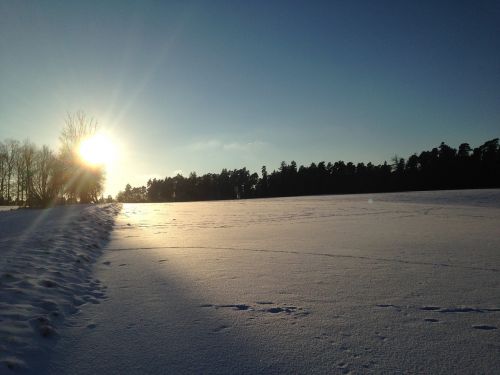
(378, 283)
(46, 259)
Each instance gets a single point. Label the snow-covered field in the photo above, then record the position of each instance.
(380, 283)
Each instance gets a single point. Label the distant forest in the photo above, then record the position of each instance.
(441, 168)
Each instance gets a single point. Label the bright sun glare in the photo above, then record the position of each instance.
(97, 150)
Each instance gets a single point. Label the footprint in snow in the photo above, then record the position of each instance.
(43, 326)
(287, 310)
(222, 327)
(13, 363)
(48, 283)
(8, 277)
(240, 307)
(484, 327)
(387, 305)
(275, 310)
(430, 308)
(463, 309)
(344, 368)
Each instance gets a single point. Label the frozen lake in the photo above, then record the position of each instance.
(384, 283)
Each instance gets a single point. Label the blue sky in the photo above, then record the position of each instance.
(202, 85)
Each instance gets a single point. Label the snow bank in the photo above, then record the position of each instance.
(8, 208)
(45, 274)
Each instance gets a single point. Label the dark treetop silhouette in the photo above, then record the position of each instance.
(441, 168)
(38, 177)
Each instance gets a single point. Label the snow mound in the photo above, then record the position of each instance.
(46, 258)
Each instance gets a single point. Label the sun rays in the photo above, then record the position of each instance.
(98, 150)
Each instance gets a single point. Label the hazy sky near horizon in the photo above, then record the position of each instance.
(203, 85)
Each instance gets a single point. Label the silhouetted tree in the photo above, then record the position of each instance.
(81, 181)
(441, 168)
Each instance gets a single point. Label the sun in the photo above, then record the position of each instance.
(98, 150)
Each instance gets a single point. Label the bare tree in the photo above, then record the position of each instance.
(77, 127)
(28, 154)
(81, 182)
(3, 170)
(45, 185)
(20, 177)
(12, 148)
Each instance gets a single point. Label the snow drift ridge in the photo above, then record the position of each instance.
(46, 257)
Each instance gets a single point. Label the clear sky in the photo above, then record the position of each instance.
(203, 85)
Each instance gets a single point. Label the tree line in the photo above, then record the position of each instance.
(39, 177)
(443, 167)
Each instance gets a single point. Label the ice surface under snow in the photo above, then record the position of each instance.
(379, 283)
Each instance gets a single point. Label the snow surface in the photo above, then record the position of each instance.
(379, 283)
(8, 208)
(45, 275)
